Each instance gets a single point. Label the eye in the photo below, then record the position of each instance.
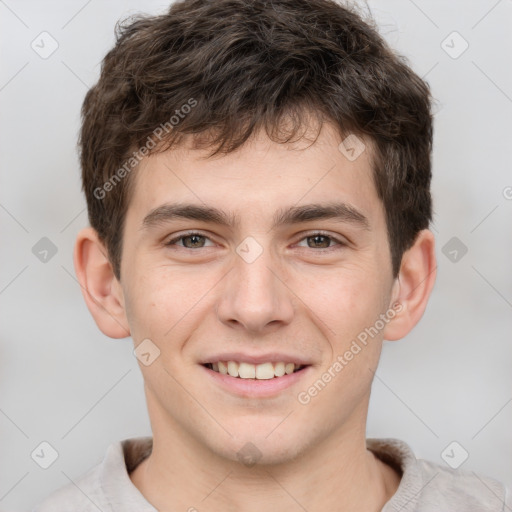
(321, 241)
(317, 240)
(191, 240)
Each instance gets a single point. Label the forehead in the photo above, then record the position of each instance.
(259, 180)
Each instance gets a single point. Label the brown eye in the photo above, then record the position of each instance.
(189, 241)
(319, 241)
(195, 241)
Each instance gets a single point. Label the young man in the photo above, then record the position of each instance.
(257, 175)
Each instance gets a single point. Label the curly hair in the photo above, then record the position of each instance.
(223, 69)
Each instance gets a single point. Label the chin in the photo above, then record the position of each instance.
(251, 449)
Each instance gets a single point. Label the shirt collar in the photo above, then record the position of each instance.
(123, 457)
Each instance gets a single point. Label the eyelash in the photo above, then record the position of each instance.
(339, 243)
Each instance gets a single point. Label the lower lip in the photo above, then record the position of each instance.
(254, 387)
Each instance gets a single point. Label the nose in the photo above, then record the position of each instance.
(254, 295)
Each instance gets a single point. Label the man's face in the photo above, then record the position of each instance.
(258, 290)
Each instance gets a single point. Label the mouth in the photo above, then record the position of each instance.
(249, 371)
(265, 380)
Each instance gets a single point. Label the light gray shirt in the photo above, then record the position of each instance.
(424, 486)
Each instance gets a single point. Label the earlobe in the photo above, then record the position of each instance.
(100, 288)
(413, 286)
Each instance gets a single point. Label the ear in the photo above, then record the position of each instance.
(412, 287)
(101, 290)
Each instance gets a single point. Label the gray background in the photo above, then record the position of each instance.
(63, 382)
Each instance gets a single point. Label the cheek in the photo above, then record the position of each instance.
(356, 345)
(351, 305)
(348, 297)
(163, 302)
(147, 298)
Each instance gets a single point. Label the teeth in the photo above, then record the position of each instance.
(262, 371)
(265, 371)
(289, 368)
(279, 369)
(233, 368)
(247, 371)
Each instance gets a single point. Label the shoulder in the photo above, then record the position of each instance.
(80, 495)
(427, 487)
(457, 489)
(106, 483)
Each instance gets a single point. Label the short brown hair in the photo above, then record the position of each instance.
(244, 65)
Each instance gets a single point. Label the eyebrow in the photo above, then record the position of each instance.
(340, 212)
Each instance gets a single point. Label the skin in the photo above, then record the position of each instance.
(300, 296)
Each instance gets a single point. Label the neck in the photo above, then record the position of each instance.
(338, 474)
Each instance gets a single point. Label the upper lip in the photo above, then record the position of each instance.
(273, 357)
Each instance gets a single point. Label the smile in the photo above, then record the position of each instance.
(263, 371)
